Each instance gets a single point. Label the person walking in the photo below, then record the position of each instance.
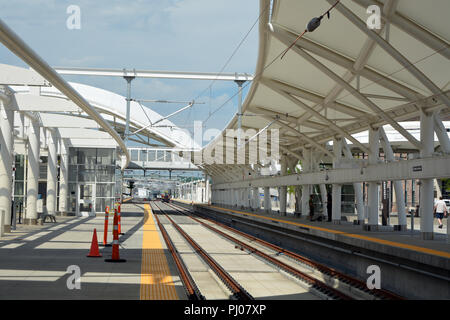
(440, 208)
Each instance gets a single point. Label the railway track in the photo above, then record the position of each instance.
(238, 292)
(350, 286)
(316, 286)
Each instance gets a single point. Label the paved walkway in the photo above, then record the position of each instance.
(34, 259)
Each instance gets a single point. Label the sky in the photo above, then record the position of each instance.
(167, 35)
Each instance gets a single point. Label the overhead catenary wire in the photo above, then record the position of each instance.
(348, 94)
(234, 52)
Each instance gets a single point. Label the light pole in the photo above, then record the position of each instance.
(239, 83)
(127, 121)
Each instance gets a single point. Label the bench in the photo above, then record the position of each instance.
(44, 217)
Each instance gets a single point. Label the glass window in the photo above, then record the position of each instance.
(105, 173)
(168, 156)
(73, 156)
(43, 171)
(151, 155)
(105, 156)
(73, 172)
(104, 190)
(160, 155)
(134, 155)
(18, 188)
(143, 155)
(87, 156)
(86, 174)
(20, 167)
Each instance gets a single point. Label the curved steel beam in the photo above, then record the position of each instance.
(14, 43)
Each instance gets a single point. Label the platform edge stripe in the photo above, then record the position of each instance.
(386, 242)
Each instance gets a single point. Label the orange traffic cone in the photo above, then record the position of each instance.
(94, 253)
(120, 224)
(105, 228)
(115, 246)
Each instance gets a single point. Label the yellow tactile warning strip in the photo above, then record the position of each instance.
(386, 242)
(156, 279)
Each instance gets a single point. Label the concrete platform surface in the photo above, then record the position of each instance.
(405, 244)
(34, 260)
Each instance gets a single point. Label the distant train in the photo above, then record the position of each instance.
(166, 198)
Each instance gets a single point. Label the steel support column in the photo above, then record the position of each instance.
(283, 189)
(127, 120)
(357, 187)
(306, 189)
(426, 188)
(337, 188)
(399, 191)
(6, 162)
(51, 172)
(255, 197)
(373, 192)
(31, 214)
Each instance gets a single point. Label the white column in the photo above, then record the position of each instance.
(267, 200)
(336, 188)
(373, 190)
(255, 197)
(306, 189)
(63, 177)
(6, 163)
(207, 190)
(51, 172)
(399, 191)
(426, 188)
(283, 189)
(336, 203)
(31, 214)
(357, 187)
(245, 194)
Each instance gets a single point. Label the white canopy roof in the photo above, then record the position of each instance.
(343, 78)
(56, 111)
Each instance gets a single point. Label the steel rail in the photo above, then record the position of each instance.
(238, 291)
(315, 283)
(191, 288)
(380, 293)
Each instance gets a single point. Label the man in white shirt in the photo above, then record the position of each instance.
(440, 208)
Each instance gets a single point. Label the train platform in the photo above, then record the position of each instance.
(393, 242)
(347, 247)
(34, 261)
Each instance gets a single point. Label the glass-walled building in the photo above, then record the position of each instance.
(92, 180)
